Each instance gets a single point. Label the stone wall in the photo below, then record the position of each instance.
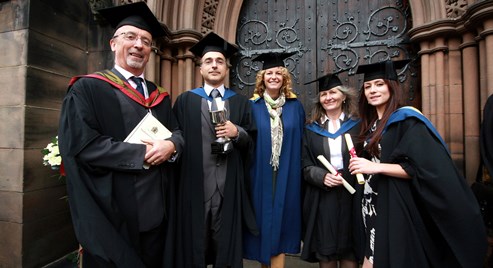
(42, 44)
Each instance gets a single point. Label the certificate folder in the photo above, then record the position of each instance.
(148, 128)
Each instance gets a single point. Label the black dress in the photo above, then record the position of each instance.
(327, 212)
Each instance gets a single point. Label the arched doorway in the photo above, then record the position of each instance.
(328, 36)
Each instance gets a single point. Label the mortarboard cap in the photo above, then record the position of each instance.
(136, 14)
(381, 70)
(274, 59)
(327, 82)
(213, 42)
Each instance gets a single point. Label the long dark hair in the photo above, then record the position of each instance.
(368, 115)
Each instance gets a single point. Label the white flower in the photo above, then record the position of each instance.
(52, 155)
(54, 159)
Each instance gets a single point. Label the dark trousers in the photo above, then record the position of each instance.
(212, 226)
(151, 251)
(152, 246)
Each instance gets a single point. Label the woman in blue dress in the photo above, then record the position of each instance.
(276, 167)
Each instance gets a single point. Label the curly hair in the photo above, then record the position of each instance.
(286, 87)
(349, 106)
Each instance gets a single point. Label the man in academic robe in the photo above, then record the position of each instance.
(121, 194)
(213, 202)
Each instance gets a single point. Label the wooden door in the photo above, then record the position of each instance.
(328, 36)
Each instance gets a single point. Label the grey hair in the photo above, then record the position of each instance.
(349, 106)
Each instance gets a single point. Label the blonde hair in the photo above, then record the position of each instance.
(286, 86)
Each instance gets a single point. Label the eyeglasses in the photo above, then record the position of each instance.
(133, 37)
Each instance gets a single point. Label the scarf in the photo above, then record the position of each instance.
(274, 107)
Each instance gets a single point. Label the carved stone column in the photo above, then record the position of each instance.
(483, 67)
(456, 76)
(166, 75)
(487, 35)
(425, 77)
(470, 81)
(185, 74)
(454, 113)
(150, 70)
(441, 104)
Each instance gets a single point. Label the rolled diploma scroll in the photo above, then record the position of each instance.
(352, 152)
(333, 171)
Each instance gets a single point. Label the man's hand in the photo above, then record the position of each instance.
(158, 151)
(228, 129)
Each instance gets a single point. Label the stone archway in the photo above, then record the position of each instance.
(446, 31)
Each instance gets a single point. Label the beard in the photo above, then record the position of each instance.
(136, 64)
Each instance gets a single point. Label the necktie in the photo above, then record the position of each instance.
(214, 95)
(138, 81)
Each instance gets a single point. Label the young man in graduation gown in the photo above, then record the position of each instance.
(121, 195)
(213, 203)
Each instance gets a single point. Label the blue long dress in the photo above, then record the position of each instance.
(277, 211)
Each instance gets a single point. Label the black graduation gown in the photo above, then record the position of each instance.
(486, 136)
(237, 212)
(327, 212)
(430, 220)
(101, 170)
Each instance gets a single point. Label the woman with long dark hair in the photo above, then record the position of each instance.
(417, 209)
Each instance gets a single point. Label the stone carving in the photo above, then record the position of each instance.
(209, 16)
(455, 8)
(124, 2)
(99, 4)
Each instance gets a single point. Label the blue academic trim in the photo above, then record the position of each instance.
(345, 127)
(409, 111)
(201, 92)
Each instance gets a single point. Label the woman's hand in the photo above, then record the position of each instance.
(363, 166)
(332, 180)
